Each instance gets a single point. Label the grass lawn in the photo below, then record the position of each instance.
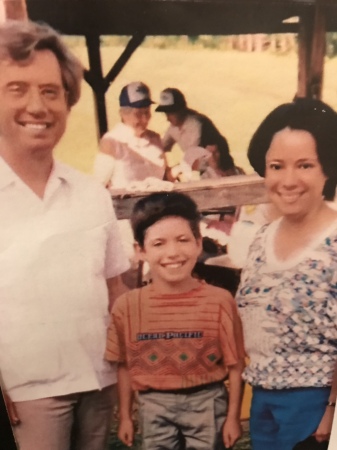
(236, 90)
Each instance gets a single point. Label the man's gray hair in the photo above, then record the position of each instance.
(19, 40)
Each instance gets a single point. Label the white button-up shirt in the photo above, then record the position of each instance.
(55, 256)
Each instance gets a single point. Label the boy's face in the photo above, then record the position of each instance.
(171, 251)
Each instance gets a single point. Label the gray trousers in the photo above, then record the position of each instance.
(176, 421)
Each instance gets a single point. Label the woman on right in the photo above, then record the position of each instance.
(287, 296)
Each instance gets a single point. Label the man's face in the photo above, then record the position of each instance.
(137, 118)
(33, 107)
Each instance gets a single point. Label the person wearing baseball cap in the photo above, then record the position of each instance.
(195, 133)
(130, 151)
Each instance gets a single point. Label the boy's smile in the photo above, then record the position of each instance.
(171, 250)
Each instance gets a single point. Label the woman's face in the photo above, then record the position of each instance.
(294, 177)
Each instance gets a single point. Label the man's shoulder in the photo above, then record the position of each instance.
(80, 181)
(150, 134)
(119, 132)
(193, 115)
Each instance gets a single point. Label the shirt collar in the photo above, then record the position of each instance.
(62, 172)
(8, 176)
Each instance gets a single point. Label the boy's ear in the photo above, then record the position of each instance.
(139, 251)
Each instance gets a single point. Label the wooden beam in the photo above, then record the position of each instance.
(94, 77)
(210, 195)
(131, 47)
(311, 52)
(100, 84)
(318, 50)
(13, 9)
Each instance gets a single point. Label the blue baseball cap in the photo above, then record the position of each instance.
(135, 95)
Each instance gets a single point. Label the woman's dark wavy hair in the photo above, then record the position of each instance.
(211, 136)
(314, 116)
(154, 207)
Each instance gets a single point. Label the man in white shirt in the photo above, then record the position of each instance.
(60, 254)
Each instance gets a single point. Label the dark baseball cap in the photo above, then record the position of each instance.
(171, 100)
(135, 95)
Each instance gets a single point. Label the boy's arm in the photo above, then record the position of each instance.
(167, 141)
(125, 397)
(232, 427)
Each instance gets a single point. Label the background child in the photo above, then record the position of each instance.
(177, 338)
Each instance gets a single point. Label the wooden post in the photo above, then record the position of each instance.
(312, 45)
(13, 9)
(95, 79)
(100, 84)
(131, 47)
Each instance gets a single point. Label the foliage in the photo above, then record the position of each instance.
(198, 42)
(331, 48)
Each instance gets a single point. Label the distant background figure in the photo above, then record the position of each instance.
(193, 132)
(130, 152)
(219, 164)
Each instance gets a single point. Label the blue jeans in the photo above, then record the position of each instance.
(281, 418)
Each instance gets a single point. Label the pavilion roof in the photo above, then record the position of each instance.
(175, 17)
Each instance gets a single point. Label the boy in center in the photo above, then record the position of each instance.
(177, 338)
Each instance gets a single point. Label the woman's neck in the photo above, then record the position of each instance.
(295, 234)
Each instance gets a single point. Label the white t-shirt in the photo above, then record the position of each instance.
(186, 136)
(55, 256)
(131, 158)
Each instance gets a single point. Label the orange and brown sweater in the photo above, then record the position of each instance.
(175, 341)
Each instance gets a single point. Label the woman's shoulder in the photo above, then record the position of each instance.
(330, 239)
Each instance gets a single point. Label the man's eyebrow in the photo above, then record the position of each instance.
(59, 85)
(10, 83)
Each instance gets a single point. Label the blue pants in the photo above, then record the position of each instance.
(281, 418)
